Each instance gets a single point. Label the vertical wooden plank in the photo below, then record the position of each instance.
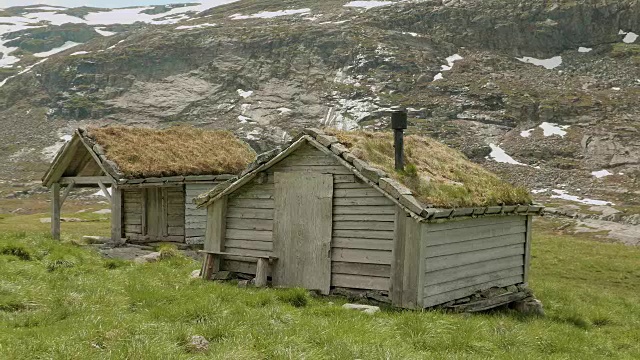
(153, 211)
(116, 214)
(411, 264)
(55, 211)
(143, 210)
(207, 267)
(527, 249)
(302, 230)
(164, 212)
(422, 267)
(261, 272)
(397, 262)
(215, 231)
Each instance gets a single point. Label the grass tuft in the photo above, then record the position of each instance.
(168, 251)
(180, 150)
(113, 264)
(437, 175)
(16, 250)
(296, 297)
(59, 264)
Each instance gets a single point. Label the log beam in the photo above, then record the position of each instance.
(67, 190)
(106, 192)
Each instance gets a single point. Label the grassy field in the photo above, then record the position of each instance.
(61, 301)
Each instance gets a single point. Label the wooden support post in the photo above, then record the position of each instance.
(116, 214)
(214, 235)
(67, 190)
(55, 211)
(527, 249)
(207, 268)
(261, 272)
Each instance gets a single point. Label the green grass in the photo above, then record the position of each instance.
(436, 174)
(64, 302)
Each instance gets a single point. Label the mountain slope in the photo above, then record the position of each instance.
(265, 70)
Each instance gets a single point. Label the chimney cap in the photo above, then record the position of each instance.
(399, 119)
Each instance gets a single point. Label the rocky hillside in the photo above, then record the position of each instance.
(543, 92)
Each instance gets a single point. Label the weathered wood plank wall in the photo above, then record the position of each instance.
(462, 257)
(195, 220)
(363, 223)
(132, 212)
(157, 213)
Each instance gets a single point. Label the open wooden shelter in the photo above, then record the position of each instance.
(153, 175)
(315, 215)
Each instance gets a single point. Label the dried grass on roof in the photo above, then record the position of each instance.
(181, 150)
(437, 175)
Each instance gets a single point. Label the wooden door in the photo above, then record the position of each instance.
(155, 213)
(302, 230)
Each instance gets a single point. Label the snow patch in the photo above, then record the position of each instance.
(501, 156)
(26, 70)
(199, 26)
(584, 49)
(367, 4)
(601, 173)
(526, 133)
(284, 110)
(553, 129)
(562, 194)
(539, 191)
(450, 61)
(104, 32)
(629, 38)
(80, 53)
(244, 94)
(67, 45)
(550, 63)
(243, 119)
(271, 14)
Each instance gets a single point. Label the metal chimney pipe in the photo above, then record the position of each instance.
(398, 124)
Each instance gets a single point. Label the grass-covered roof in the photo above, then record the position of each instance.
(144, 152)
(436, 174)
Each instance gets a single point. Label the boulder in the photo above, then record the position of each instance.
(151, 257)
(367, 309)
(197, 343)
(529, 306)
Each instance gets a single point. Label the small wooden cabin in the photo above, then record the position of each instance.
(314, 215)
(153, 176)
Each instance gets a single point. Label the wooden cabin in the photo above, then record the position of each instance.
(153, 176)
(316, 216)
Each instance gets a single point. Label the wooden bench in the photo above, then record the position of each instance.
(212, 261)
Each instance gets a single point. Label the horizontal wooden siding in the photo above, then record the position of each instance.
(465, 256)
(195, 220)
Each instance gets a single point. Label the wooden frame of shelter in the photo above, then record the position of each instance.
(142, 209)
(327, 220)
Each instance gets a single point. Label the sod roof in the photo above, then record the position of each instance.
(182, 150)
(437, 175)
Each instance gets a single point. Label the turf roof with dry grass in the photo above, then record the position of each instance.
(436, 174)
(181, 150)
